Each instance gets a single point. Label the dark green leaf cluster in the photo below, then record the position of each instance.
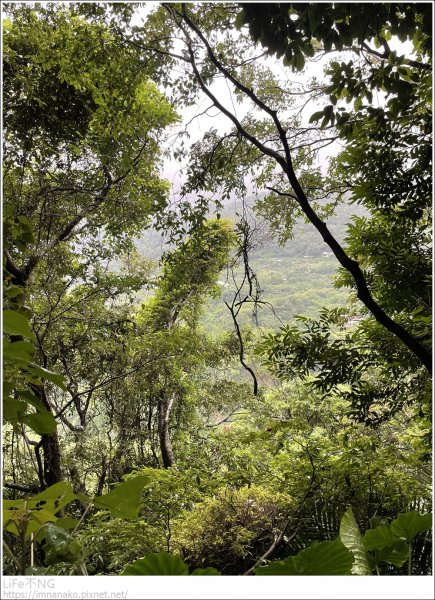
(297, 30)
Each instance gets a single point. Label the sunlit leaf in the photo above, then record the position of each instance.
(123, 501)
(351, 538)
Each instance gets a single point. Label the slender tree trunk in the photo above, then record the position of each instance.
(164, 410)
(52, 465)
(102, 477)
(52, 462)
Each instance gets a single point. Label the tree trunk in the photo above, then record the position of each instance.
(51, 454)
(52, 466)
(164, 409)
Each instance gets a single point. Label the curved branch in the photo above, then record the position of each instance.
(242, 349)
(352, 266)
(387, 53)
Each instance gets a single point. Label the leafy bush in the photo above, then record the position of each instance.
(111, 543)
(229, 530)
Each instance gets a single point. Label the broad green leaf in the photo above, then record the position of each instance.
(29, 397)
(25, 221)
(123, 501)
(160, 563)
(206, 571)
(378, 538)
(324, 558)
(18, 350)
(396, 555)
(14, 323)
(41, 373)
(407, 525)
(13, 409)
(40, 422)
(54, 498)
(8, 388)
(351, 538)
(67, 523)
(60, 546)
(12, 291)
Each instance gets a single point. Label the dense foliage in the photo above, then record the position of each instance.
(215, 404)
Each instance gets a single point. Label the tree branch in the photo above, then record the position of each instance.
(352, 266)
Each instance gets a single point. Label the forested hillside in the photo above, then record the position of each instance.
(230, 375)
(296, 277)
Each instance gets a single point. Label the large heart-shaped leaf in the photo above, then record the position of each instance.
(352, 539)
(324, 558)
(379, 537)
(124, 500)
(159, 563)
(55, 498)
(407, 525)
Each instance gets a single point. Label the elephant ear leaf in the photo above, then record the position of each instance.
(324, 558)
(159, 563)
(352, 539)
(407, 525)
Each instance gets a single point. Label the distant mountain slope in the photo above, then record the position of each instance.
(295, 279)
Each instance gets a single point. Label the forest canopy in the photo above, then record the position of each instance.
(223, 403)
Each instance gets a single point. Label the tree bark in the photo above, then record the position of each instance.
(164, 410)
(52, 465)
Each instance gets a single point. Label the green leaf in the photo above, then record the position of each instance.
(30, 397)
(378, 538)
(352, 539)
(40, 422)
(316, 116)
(45, 374)
(54, 498)
(8, 388)
(15, 323)
(60, 546)
(18, 350)
(67, 523)
(22, 518)
(324, 558)
(206, 571)
(12, 291)
(13, 409)
(396, 555)
(407, 525)
(160, 563)
(123, 501)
